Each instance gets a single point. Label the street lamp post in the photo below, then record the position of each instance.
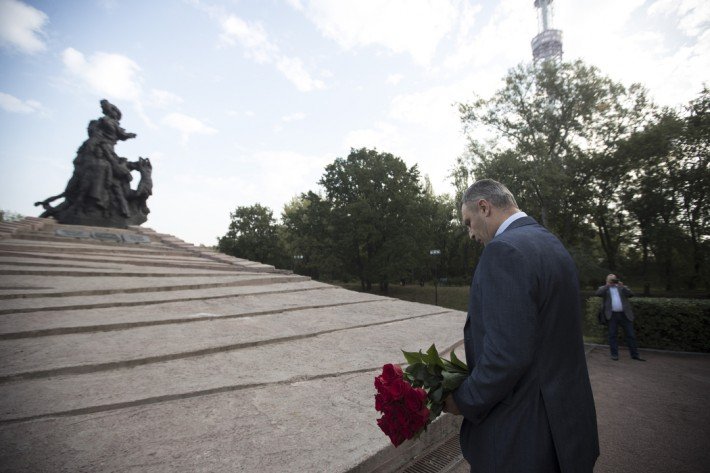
(296, 259)
(436, 254)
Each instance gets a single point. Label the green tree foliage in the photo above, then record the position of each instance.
(667, 192)
(307, 234)
(375, 214)
(376, 221)
(253, 235)
(550, 134)
(10, 216)
(623, 184)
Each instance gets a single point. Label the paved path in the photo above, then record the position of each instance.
(653, 417)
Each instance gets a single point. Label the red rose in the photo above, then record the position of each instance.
(413, 400)
(396, 438)
(422, 394)
(424, 414)
(380, 402)
(382, 424)
(380, 384)
(391, 372)
(407, 431)
(397, 388)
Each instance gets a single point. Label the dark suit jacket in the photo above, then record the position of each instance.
(528, 395)
(624, 294)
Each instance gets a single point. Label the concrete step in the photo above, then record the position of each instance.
(7, 270)
(129, 357)
(252, 300)
(123, 300)
(187, 262)
(330, 353)
(63, 247)
(26, 287)
(134, 346)
(248, 430)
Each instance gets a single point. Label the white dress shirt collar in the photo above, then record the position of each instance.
(509, 220)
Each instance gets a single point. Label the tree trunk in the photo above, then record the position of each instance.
(646, 283)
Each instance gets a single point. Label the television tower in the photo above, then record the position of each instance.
(548, 43)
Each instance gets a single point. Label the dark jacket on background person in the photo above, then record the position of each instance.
(624, 294)
(527, 403)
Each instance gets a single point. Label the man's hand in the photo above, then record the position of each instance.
(450, 406)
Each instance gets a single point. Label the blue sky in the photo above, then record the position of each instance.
(239, 102)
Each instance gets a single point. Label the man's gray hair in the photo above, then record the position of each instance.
(493, 191)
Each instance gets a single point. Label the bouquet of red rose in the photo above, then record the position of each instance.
(410, 400)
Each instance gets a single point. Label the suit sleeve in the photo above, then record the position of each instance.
(601, 291)
(627, 292)
(509, 315)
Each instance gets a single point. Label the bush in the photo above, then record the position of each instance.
(670, 324)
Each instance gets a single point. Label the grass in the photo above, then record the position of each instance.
(451, 297)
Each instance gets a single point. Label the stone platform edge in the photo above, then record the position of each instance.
(392, 459)
(11, 229)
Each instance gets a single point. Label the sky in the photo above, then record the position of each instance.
(238, 102)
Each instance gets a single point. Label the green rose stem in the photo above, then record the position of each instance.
(436, 375)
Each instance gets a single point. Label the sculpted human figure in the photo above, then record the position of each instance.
(99, 191)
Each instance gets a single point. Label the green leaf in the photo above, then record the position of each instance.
(437, 395)
(435, 410)
(452, 380)
(432, 357)
(412, 357)
(448, 366)
(419, 372)
(456, 361)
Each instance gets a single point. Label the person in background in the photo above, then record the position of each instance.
(618, 311)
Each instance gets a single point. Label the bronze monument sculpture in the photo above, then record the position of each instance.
(99, 192)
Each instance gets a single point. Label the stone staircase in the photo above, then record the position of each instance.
(132, 350)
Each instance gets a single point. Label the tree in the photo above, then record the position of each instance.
(307, 236)
(668, 190)
(10, 216)
(690, 174)
(253, 235)
(552, 132)
(375, 215)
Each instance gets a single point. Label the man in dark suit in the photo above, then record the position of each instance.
(618, 311)
(527, 403)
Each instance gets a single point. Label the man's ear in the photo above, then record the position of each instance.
(484, 206)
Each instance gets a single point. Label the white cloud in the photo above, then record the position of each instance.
(503, 40)
(257, 46)
(414, 27)
(21, 27)
(251, 36)
(111, 75)
(693, 15)
(187, 125)
(383, 135)
(245, 185)
(294, 71)
(295, 4)
(422, 128)
(164, 99)
(432, 108)
(10, 103)
(394, 79)
(293, 117)
(670, 58)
